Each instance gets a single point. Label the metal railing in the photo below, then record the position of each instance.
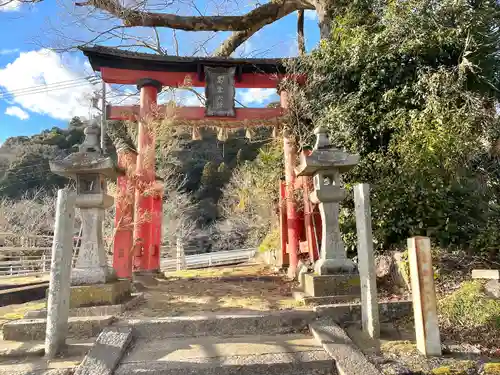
(29, 258)
(28, 261)
(218, 258)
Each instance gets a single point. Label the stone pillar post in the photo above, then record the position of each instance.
(424, 296)
(60, 269)
(366, 261)
(181, 255)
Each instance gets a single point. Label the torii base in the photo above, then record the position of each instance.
(111, 293)
(328, 289)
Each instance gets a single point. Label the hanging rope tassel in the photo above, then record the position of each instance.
(196, 135)
(275, 132)
(249, 134)
(222, 134)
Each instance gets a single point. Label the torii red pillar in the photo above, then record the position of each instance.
(123, 243)
(154, 256)
(283, 226)
(292, 218)
(145, 257)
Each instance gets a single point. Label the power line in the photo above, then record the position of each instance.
(42, 91)
(81, 80)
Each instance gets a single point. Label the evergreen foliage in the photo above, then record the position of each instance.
(413, 87)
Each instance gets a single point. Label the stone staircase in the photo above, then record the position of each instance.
(271, 343)
(290, 342)
(291, 354)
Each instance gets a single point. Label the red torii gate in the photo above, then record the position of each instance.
(137, 243)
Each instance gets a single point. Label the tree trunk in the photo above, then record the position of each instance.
(300, 33)
(324, 19)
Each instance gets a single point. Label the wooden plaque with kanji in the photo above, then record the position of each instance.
(219, 91)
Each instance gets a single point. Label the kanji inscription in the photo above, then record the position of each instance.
(219, 91)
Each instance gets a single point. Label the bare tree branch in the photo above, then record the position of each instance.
(264, 14)
(234, 41)
(300, 33)
(240, 37)
(176, 42)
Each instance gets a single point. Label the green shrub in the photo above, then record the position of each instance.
(271, 241)
(412, 87)
(468, 307)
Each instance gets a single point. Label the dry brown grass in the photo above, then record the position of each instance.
(201, 292)
(246, 270)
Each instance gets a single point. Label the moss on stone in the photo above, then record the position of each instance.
(470, 307)
(354, 281)
(399, 346)
(99, 294)
(492, 368)
(14, 312)
(457, 368)
(443, 370)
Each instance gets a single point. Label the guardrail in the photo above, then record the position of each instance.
(217, 258)
(24, 261)
(27, 261)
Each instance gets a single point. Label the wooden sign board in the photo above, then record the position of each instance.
(219, 91)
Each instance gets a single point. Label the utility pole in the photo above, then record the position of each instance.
(103, 118)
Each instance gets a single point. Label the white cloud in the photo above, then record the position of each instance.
(8, 51)
(257, 96)
(310, 15)
(191, 100)
(10, 6)
(44, 67)
(17, 112)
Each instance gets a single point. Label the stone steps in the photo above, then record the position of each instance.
(20, 349)
(34, 329)
(290, 354)
(279, 322)
(290, 343)
(26, 358)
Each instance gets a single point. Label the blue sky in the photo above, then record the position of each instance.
(35, 43)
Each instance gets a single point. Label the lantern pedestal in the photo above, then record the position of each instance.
(335, 276)
(91, 263)
(94, 283)
(342, 286)
(110, 293)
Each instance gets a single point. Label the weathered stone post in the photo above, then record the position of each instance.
(181, 255)
(60, 269)
(366, 261)
(89, 167)
(424, 296)
(336, 274)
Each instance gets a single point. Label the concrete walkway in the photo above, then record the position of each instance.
(251, 354)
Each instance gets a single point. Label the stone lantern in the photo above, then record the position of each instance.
(325, 164)
(90, 168)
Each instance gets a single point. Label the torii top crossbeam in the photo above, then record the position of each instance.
(125, 67)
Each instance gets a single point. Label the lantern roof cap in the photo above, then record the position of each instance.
(325, 157)
(89, 158)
